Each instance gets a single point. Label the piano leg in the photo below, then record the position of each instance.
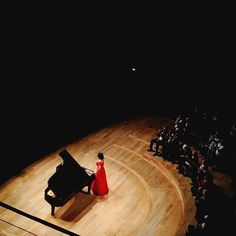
(52, 210)
(89, 187)
(91, 179)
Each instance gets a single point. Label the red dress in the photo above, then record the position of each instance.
(99, 185)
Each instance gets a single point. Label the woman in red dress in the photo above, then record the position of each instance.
(99, 185)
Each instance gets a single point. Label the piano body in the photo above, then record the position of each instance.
(68, 179)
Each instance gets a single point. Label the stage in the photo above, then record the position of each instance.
(147, 194)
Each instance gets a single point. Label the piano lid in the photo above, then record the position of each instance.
(68, 159)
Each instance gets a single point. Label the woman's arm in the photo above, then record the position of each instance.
(98, 168)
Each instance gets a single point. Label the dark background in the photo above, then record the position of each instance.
(67, 69)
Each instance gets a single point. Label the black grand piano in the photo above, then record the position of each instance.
(69, 179)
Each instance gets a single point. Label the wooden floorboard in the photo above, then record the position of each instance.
(147, 194)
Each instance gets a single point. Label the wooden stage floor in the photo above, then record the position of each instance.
(147, 194)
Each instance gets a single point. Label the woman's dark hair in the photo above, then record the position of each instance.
(100, 156)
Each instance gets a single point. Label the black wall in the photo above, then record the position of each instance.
(68, 70)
